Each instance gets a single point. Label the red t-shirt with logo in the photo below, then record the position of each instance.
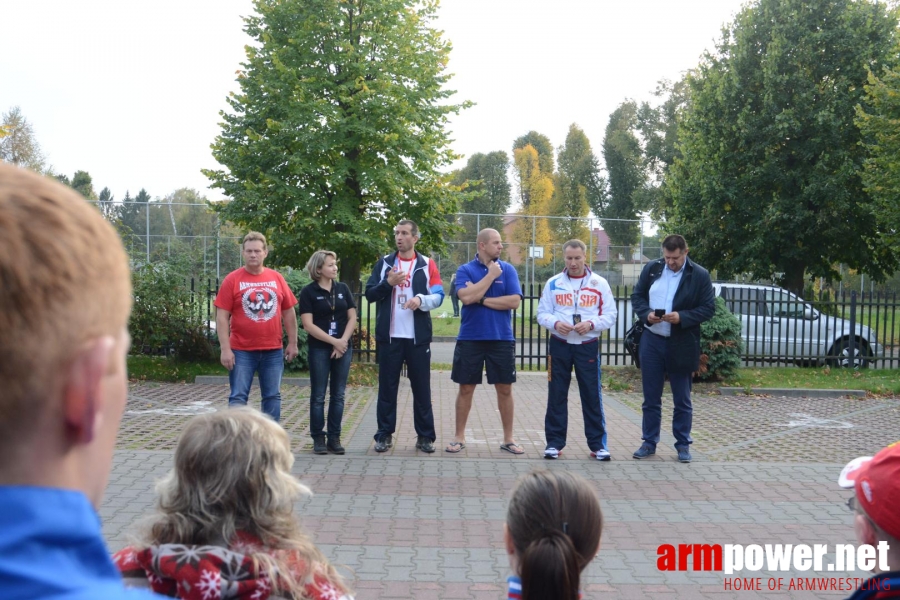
(255, 303)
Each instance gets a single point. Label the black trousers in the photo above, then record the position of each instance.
(391, 356)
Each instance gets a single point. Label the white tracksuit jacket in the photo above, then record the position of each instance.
(594, 299)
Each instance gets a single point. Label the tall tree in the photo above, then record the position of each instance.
(538, 186)
(338, 130)
(579, 186)
(658, 128)
(624, 159)
(769, 180)
(879, 122)
(488, 192)
(18, 144)
(134, 215)
(107, 204)
(83, 183)
(541, 143)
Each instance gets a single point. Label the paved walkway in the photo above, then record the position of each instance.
(410, 525)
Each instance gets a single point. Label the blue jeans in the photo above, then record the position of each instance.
(321, 366)
(584, 358)
(269, 364)
(654, 365)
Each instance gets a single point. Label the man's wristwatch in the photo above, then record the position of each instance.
(481, 301)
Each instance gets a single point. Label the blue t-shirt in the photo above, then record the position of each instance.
(480, 322)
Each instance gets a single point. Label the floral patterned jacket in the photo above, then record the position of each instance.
(216, 573)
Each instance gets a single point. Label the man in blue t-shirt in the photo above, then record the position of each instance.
(489, 290)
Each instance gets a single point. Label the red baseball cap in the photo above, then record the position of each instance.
(876, 480)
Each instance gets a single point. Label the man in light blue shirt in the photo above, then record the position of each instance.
(673, 296)
(64, 306)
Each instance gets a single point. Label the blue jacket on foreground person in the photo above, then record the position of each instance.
(65, 300)
(51, 546)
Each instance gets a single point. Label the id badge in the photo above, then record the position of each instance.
(332, 329)
(576, 319)
(401, 299)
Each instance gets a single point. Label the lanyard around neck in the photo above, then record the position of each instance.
(580, 285)
(332, 298)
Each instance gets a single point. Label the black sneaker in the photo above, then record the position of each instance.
(319, 445)
(384, 444)
(644, 451)
(424, 444)
(684, 455)
(334, 445)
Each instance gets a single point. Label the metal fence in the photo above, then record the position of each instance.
(857, 330)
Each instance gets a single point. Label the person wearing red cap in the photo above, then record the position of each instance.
(876, 502)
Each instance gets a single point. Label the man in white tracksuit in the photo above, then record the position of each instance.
(576, 306)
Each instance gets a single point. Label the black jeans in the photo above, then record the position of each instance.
(391, 356)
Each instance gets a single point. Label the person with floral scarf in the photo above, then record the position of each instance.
(225, 526)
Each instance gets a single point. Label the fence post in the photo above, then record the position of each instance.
(147, 231)
(852, 348)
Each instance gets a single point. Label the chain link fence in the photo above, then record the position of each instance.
(192, 239)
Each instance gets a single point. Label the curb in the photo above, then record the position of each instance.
(792, 392)
(223, 380)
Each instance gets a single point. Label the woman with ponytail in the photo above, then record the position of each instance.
(552, 532)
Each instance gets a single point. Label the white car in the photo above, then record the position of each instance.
(778, 325)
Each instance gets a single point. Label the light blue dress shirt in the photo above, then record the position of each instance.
(662, 293)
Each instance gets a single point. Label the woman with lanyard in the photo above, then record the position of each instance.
(328, 315)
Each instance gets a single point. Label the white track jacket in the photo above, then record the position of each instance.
(589, 296)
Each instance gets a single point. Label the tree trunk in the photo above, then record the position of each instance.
(350, 271)
(793, 278)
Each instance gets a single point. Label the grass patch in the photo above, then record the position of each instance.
(363, 374)
(161, 368)
(880, 382)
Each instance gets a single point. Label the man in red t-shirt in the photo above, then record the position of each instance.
(251, 306)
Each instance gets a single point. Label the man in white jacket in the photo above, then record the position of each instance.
(575, 306)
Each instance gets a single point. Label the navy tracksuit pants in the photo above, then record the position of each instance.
(586, 361)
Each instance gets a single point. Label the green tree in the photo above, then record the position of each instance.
(486, 194)
(624, 159)
(879, 122)
(579, 187)
(658, 127)
(541, 143)
(133, 219)
(338, 129)
(769, 181)
(18, 144)
(488, 191)
(83, 183)
(107, 203)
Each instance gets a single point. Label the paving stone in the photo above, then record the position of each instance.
(408, 525)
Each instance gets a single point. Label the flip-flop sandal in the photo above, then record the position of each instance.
(512, 448)
(455, 447)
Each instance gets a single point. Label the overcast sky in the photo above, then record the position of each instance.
(131, 91)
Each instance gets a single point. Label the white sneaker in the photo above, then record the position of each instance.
(601, 454)
(552, 453)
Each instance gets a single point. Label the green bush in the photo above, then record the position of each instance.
(165, 318)
(720, 341)
(296, 279)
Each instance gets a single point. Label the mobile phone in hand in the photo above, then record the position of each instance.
(659, 312)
